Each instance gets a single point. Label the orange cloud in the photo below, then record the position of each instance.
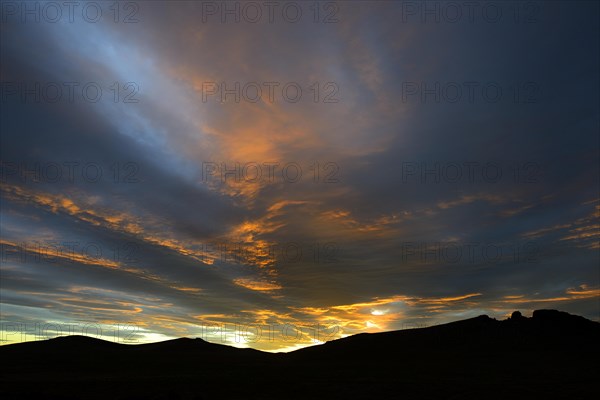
(259, 286)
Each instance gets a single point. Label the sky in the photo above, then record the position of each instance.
(276, 175)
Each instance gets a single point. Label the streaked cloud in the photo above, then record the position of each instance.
(165, 247)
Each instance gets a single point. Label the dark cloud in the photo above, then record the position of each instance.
(396, 169)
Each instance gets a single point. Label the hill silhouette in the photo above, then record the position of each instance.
(552, 355)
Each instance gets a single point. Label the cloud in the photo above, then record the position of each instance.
(345, 187)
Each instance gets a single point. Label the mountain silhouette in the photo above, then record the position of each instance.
(552, 355)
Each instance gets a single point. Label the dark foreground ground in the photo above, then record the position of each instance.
(552, 355)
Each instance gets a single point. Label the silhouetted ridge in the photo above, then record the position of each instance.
(79, 340)
(560, 317)
(549, 355)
